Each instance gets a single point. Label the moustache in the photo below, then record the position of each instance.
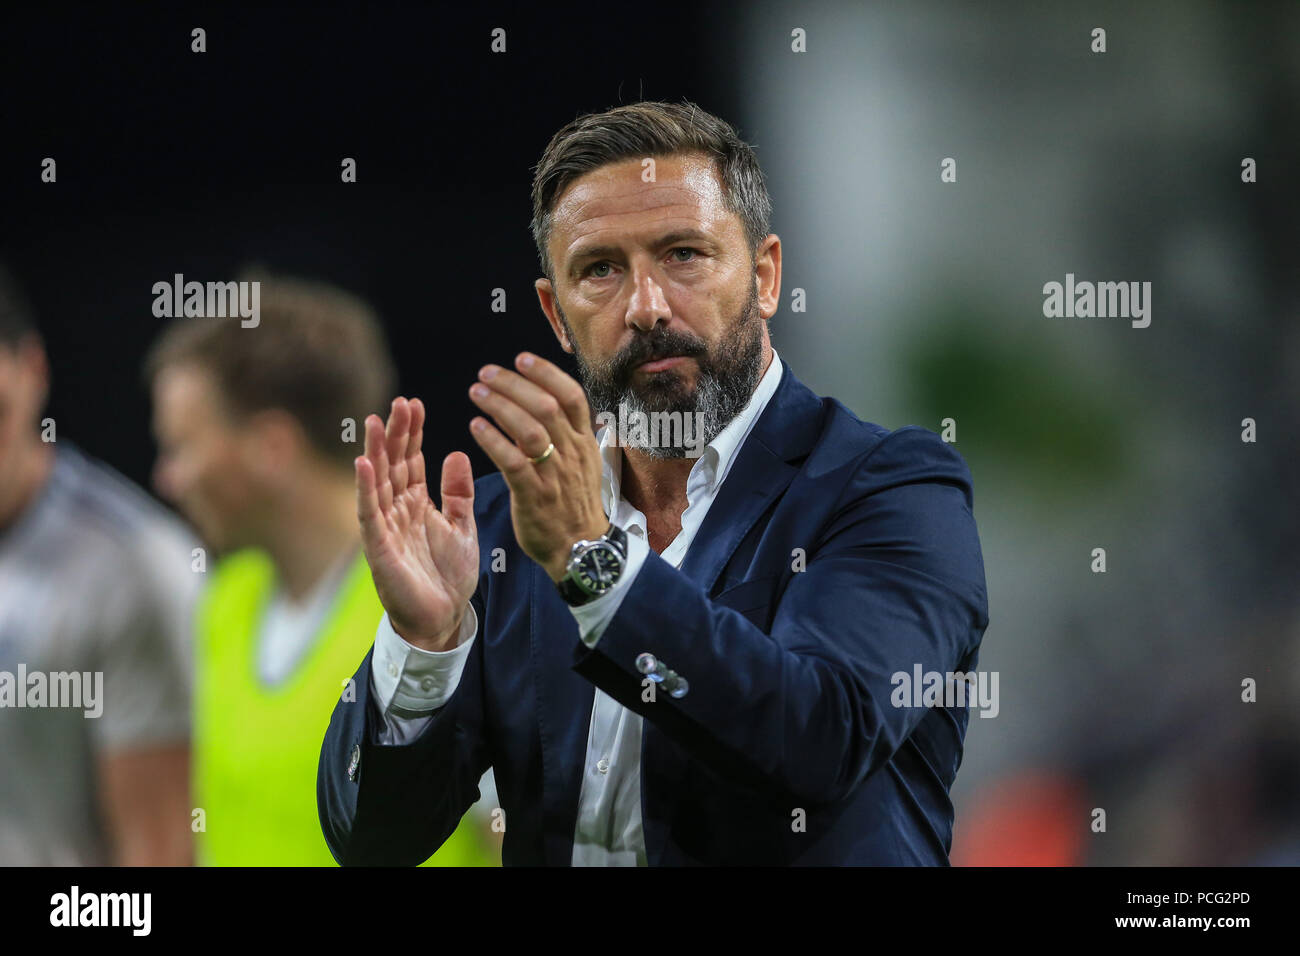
(652, 346)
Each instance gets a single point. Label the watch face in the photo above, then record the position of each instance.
(598, 568)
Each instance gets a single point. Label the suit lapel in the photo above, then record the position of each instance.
(763, 469)
(764, 466)
(757, 477)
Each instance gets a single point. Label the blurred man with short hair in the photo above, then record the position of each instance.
(253, 425)
(96, 595)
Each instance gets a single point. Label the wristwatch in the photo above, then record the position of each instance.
(594, 567)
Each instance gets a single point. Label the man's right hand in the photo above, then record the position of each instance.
(424, 561)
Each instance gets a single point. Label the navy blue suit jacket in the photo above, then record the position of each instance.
(835, 554)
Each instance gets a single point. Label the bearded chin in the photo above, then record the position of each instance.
(723, 387)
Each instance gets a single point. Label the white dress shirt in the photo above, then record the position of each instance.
(409, 682)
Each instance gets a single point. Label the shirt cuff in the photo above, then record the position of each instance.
(397, 731)
(410, 681)
(594, 616)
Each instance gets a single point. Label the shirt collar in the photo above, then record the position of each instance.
(718, 456)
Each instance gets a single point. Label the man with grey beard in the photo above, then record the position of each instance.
(723, 386)
(667, 660)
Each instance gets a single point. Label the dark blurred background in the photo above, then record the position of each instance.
(1119, 691)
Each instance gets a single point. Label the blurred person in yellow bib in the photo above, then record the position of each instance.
(255, 448)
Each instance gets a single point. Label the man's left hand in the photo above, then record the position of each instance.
(555, 498)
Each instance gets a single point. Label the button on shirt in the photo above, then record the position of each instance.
(409, 682)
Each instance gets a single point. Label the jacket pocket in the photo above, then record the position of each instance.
(754, 599)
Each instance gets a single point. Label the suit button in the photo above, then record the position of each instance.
(679, 688)
(602, 765)
(392, 669)
(354, 762)
(646, 663)
(427, 683)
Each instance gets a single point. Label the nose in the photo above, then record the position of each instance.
(648, 306)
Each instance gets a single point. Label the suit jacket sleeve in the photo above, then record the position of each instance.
(400, 803)
(893, 578)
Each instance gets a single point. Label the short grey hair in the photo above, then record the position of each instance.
(650, 129)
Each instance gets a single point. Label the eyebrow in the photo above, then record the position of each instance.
(606, 251)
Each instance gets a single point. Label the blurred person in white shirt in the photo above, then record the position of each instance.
(95, 585)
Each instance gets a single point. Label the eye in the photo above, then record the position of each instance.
(693, 252)
(591, 270)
